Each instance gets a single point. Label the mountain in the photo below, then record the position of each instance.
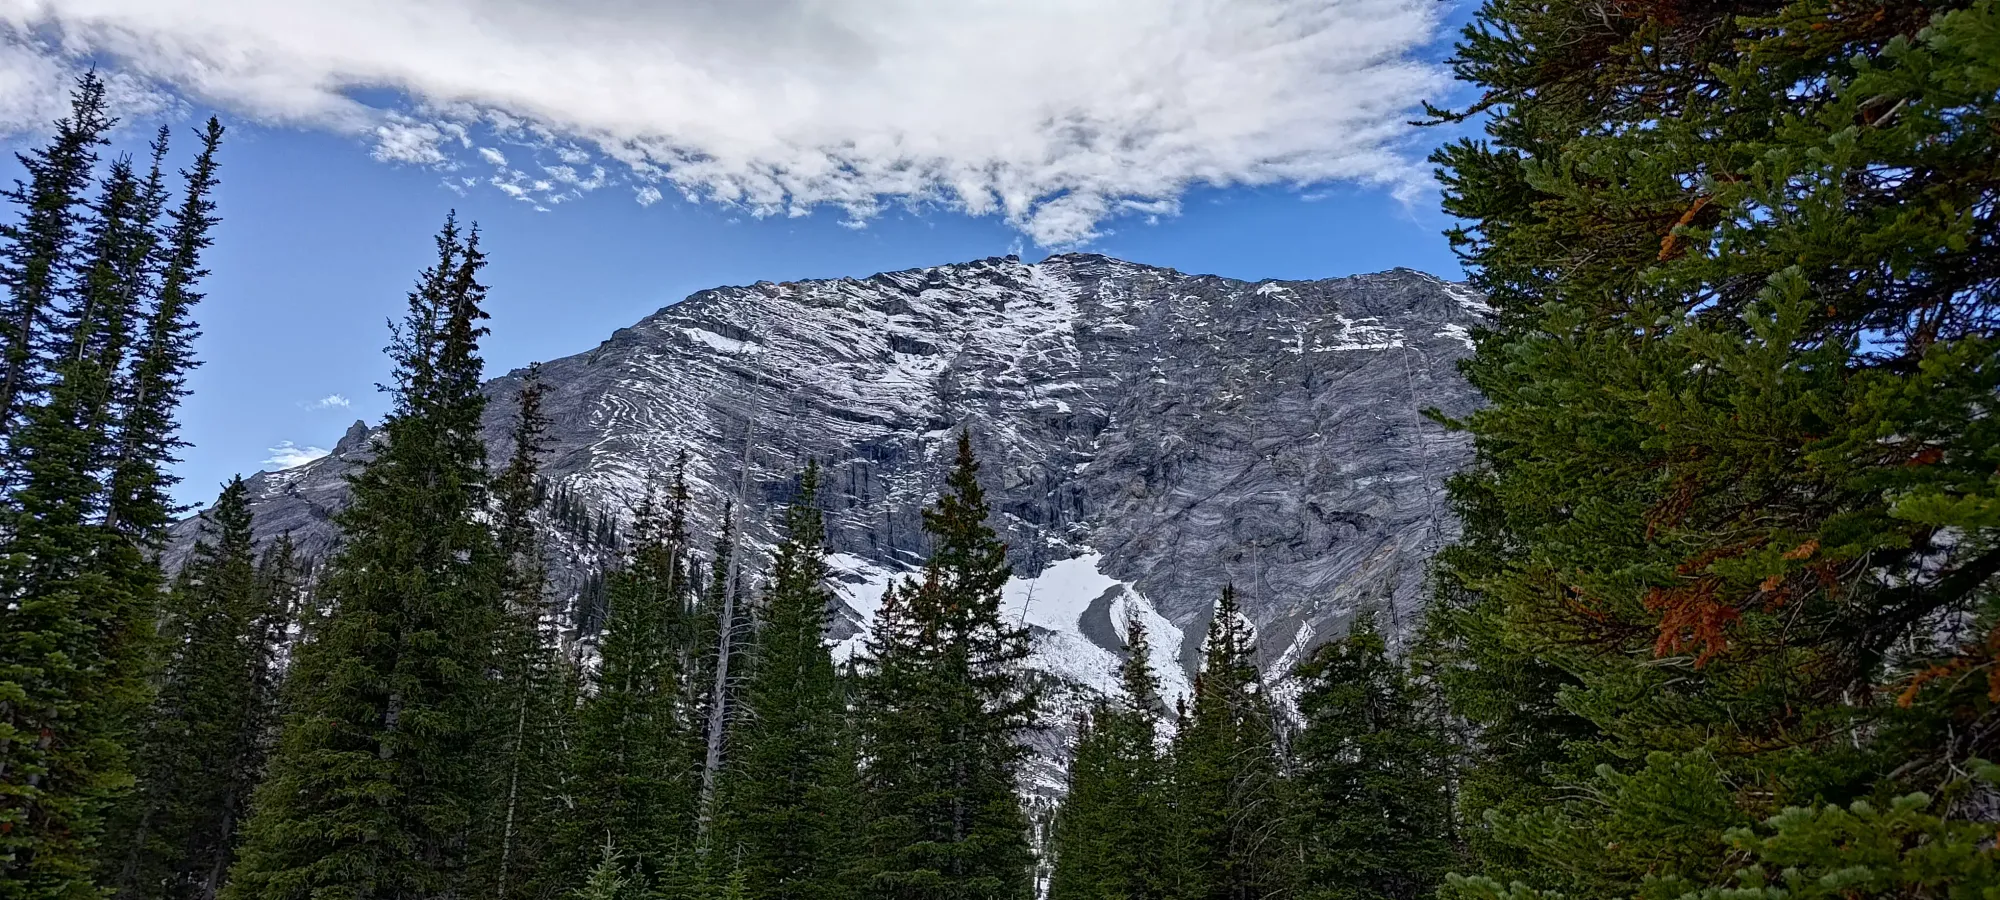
(1146, 436)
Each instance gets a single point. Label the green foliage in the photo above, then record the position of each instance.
(1228, 792)
(1112, 836)
(1729, 541)
(163, 350)
(87, 282)
(208, 734)
(1903, 849)
(607, 880)
(1369, 779)
(631, 774)
(37, 251)
(537, 682)
(790, 789)
(383, 766)
(942, 707)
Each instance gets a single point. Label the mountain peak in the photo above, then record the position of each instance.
(1147, 436)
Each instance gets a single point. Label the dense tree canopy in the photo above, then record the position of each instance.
(1730, 539)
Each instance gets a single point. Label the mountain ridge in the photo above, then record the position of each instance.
(1175, 431)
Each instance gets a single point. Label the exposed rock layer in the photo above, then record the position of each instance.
(1187, 430)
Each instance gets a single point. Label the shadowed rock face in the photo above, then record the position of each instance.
(1188, 430)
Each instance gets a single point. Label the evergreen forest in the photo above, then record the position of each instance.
(1722, 622)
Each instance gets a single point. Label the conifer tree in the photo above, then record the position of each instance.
(1227, 795)
(163, 352)
(516, 835)
(942, 707)
(632, 772)
(720, 627)
(1368, 779)
(37, 251)
(607, 879)
(790, 797)
(383, 763)
(78, 590)
(1737, 470)
(208, 732)
(1112, 833)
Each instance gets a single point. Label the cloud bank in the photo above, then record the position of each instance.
(288, 454)
(1058, 115)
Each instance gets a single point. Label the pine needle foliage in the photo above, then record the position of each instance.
(790, 790)
(942, 706)
(209, 732)
(536, 679)
(1368, 783)
(88, 279)
(1227, 773)
(1731, 530)
(382, 769)
(1112, 836)
(632, 777)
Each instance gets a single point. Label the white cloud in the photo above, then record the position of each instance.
(36, 77)
(288, 454)
(330, 401)
(1059, 115)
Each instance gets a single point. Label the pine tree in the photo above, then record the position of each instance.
(382, 766)
(607, 880)
(632, 769)
(1368, 786)
(1112, 835)
(80, 589)
(942, 707)
(209, 730)
(163, 353)
(38, 250)
(789, 792)
(720, 627)
(1227, 794)
(1735, 485)
(534, 682)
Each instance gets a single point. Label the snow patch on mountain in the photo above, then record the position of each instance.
(1053, 605)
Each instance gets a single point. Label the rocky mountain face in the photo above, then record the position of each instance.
(1147, 436)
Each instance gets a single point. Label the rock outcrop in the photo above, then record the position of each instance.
(1147, 436)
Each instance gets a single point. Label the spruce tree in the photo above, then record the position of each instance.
(163, 353)
(534, 683)
(38, 250)
(607, 880)
(943, 705)
(1228, 800)
(1111, 836)
(208, 732)
(789, 792)
(383, 763)
(1368, 777)
(720, 626)
(78, 590)
(1735, 482)
(632, 776)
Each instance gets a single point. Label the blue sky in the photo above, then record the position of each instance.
(326, 222)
